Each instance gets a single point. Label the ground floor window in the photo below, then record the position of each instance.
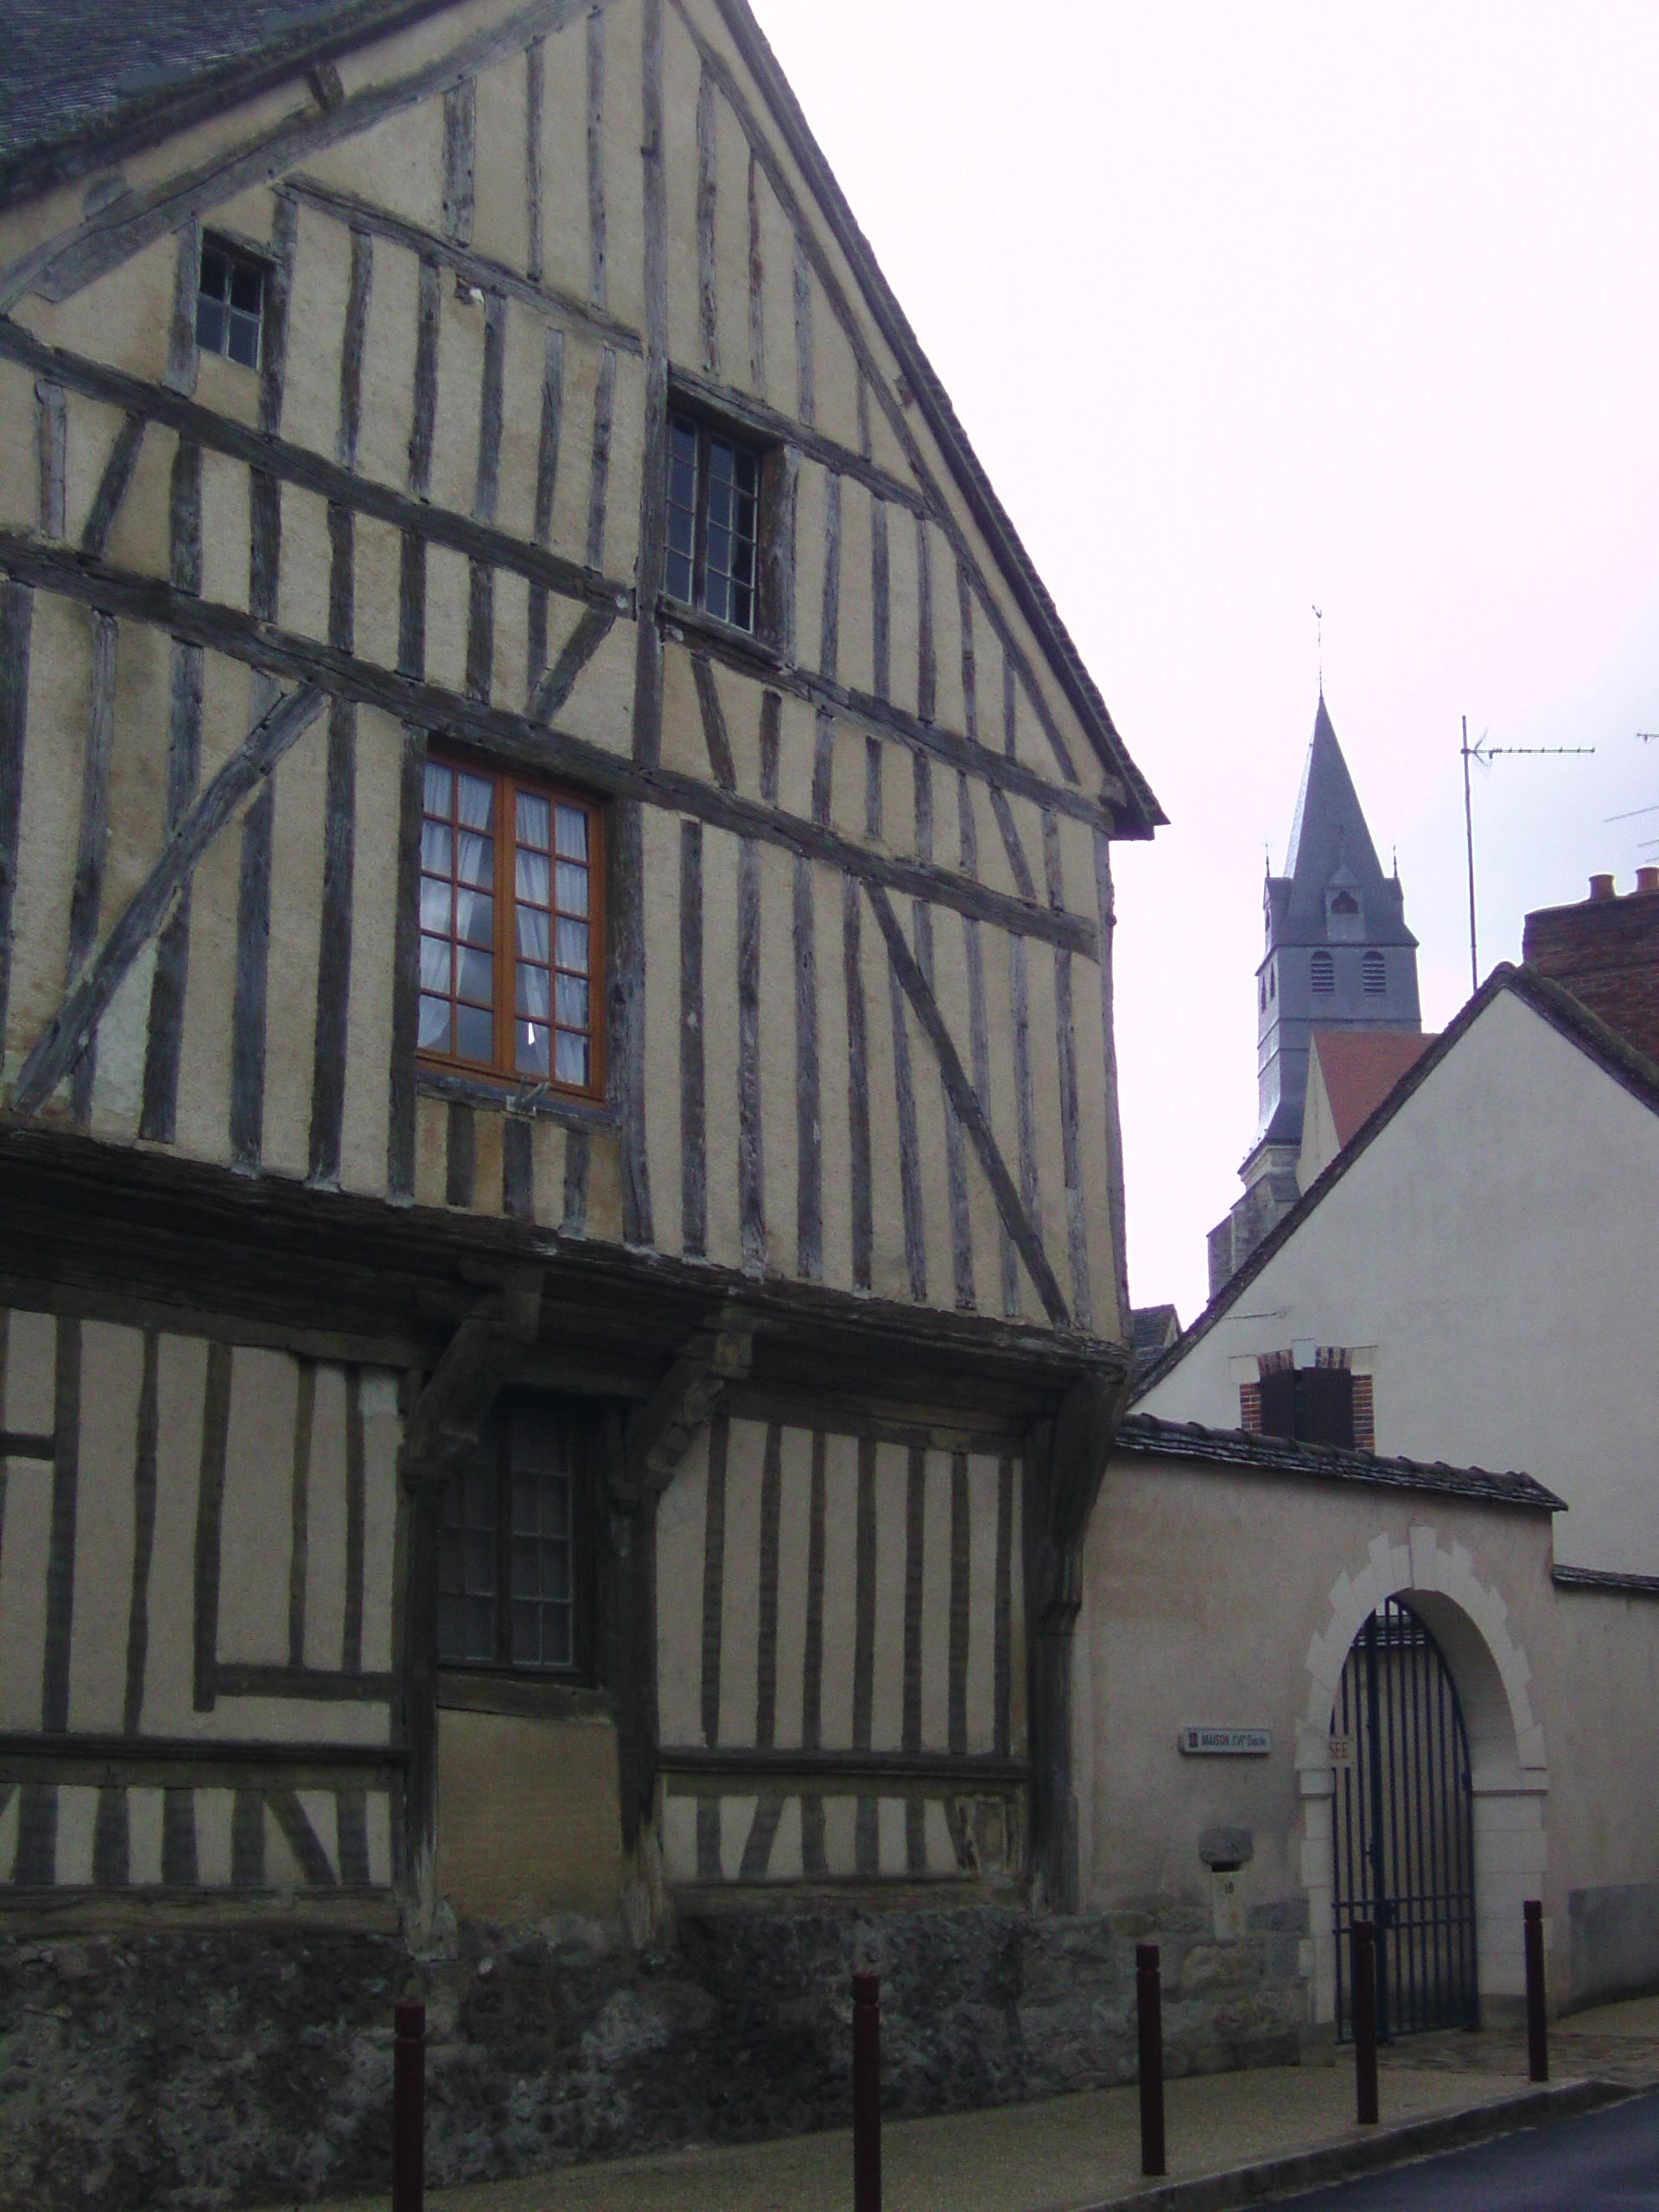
(515, 1553)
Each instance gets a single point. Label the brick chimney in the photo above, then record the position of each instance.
(1606, 952)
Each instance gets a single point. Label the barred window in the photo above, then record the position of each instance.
(1376, 974)
(511, 934)
(1324, 973)
(714, 522)
(514, 1557)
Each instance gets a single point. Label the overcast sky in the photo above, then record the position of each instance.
(1249, 308)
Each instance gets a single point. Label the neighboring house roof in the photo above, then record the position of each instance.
(1156, 1327)
(1146, 1435)
(1564, 1014)
(87, 80)
(1360, 1067)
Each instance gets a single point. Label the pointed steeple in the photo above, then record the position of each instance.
(1328, 833)
(1338, 957)
(1339, 954)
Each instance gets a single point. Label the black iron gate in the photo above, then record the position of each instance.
(1402, 1829)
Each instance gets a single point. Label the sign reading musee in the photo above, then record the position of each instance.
(1201, 1742)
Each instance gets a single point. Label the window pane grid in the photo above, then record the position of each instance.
(458, 914)
(508, 1563)
(230, 303)
(511, 992)
(714, 507)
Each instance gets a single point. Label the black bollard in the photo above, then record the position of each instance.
(1149, 2008)
(408, 2106)
(1537, 2029)
(1365, 1987)
(867, 2093)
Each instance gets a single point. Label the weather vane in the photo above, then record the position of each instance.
(1318, 645)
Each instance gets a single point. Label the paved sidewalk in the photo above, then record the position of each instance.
(1084, 2150)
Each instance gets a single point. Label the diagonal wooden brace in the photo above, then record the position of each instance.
(659, 1432)
(443, 1425)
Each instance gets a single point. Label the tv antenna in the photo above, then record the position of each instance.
(1486, 755)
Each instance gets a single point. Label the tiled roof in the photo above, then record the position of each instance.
(1146, 1435)
(1361, 1067)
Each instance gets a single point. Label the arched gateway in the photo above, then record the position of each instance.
(1402, 1827)
(1422, 1775)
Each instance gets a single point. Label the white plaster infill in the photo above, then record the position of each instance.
(1509, 1775)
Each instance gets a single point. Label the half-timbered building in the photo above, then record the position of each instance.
(560, 1225)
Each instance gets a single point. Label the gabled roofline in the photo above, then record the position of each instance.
(145, 119)
(975, 486)
(1629, 1069)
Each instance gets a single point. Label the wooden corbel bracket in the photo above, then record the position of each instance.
(443, 1424)
(659, 1432)
(1069, 1456)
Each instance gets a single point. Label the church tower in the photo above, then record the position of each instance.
(1339, 956)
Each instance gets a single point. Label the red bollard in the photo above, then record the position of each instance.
(867, 2093)
(1537, 2029)
(408, 2106)
(1364, 1989)
(1149, 2011)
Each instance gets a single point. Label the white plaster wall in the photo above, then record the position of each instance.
(1495, 1244)
(1231, 1596)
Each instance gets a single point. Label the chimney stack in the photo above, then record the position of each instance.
(1606, 952)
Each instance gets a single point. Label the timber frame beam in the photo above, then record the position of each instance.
(285, 655)
(1065, 1458)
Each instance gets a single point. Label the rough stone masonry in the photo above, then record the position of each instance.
(195, 2069)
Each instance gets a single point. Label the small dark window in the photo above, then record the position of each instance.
(1377, 975)
(514, 1559)
(1309, 1405)
(714, 522)
(1344, 903)
(230, 303)
(1324, 973)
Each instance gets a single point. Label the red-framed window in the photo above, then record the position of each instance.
(512, 927)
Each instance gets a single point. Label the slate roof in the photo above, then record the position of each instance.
(1611, 1053)
(1361, 1067)
(1327, 833)
(86, 80)
(1144, 1435)
(1156, 1327)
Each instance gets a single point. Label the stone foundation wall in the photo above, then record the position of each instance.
(208, 2069)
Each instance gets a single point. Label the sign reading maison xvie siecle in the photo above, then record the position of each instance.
(1200, 1741)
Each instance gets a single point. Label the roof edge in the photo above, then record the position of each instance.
(1549, 1001)
(1017, 568)
(1148, 1435)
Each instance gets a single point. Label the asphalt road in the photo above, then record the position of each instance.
(1603, 2162)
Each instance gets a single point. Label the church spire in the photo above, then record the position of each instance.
(1339, 956)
